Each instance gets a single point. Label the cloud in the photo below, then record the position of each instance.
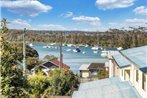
(111, 4)
(94, 21)
(140, 10)
(25, 7)
(51, 27)
(67, 14)
(19, 24)
(135, 22)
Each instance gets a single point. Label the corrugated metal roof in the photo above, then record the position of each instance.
(121, 60)
(98, 83)
(137, 55)
(84, 67)
(115, 89)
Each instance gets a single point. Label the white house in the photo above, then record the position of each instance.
(130, 65)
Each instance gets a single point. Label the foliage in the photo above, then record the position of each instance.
(49, 57)
(13, 81)
(37, 85)
(111, 38)
(102, 73)
(63, 82)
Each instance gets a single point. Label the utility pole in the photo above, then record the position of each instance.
(24, 53)
(61, 55)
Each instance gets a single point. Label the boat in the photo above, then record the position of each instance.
(77, 50)
(95, 52)
(84, 52)
(31, 45)
(95, 48)
(47, 46)
(52, 44)
(69, 45)
(104, 53)
(68, 50)
(86, 45)
(119, 48)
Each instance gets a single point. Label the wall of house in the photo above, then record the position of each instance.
(137, 81)
(84, 74)
(129, 74)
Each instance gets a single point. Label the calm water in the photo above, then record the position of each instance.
(74, 60)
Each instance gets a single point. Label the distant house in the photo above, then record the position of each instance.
(51, 65)
(90, 70)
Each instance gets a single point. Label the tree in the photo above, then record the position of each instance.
(38, 85)
(62, 82)
(12, 80)
(49, 57)
(102, 73)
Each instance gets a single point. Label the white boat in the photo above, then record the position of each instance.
(31, 45)
(55, 47)
(47, 46)
(84, 52)
(95, 52)
(104, 53)
(119, 48)
(52, 44)
(86, 45)
(69, 45)
(95, 48)
(68, 50)
(76, 50)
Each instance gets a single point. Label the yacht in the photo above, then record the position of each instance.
(86, 45)
(95, 48)
(119, 48)
(68, 50)
(84, 52)
(47, 46)
(77, 50)
(69, 45)
(104, 53)
(31, 45)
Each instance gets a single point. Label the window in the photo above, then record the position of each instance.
(143, 81)
(137, 76)
(122, 73)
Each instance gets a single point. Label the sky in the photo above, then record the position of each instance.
(83, 15)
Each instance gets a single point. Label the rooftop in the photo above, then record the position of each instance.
(57, 63)
(106, 88)
(138, 56)
(96, 65)
(121, 60)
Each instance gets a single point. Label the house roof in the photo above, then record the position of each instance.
(57, 63)
(84, 67)
(107, 88)
(49, 64)
(121, 60)
(138, 56)
(96, 65)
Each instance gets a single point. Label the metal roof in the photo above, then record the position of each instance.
(121, 60)
(115, 89)
(98, 83)
(84, 67)
(138, 56)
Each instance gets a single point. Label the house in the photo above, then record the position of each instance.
(50, 65)
(130, 65)
(127, 77)
(90, 70)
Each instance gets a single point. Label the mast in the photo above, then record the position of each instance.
(24, 53)
(61, 55)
